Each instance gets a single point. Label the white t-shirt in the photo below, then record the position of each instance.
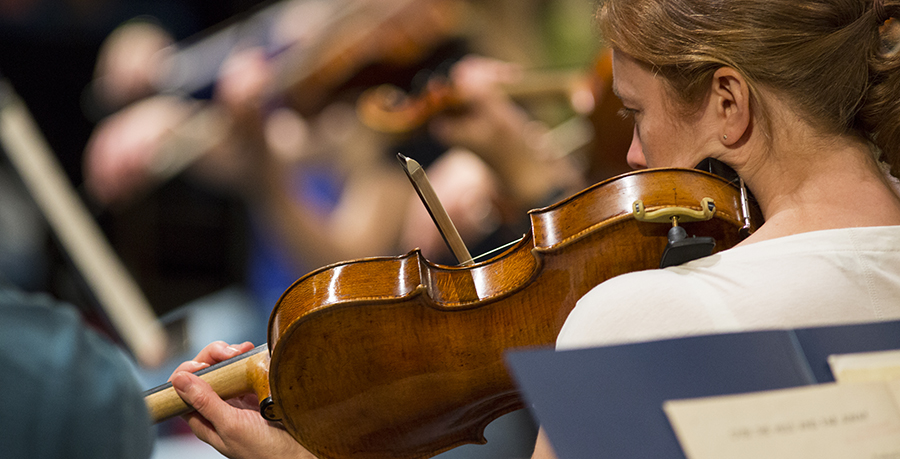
(819, 278)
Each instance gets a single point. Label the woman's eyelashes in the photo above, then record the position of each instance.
(627, 113)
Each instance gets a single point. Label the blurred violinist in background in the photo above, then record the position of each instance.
(324, 186)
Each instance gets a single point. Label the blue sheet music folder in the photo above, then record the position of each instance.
(607, 401)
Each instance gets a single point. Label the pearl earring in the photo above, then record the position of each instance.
(725, 137)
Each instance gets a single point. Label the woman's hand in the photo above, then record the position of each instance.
(488, 118)
(120, 154)
(490, 124)
(234, 428)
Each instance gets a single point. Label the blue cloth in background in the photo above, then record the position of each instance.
(272, 269)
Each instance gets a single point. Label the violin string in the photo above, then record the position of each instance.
(736, 182)
(747, 200)
(498, 249)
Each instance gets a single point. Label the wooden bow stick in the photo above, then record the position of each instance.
(118, 294)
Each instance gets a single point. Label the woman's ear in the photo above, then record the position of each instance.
(731, 96)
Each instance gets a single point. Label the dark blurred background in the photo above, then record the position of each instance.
(181, 242)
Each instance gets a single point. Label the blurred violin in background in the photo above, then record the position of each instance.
(588, 93)
(388, 108)
(319, 52)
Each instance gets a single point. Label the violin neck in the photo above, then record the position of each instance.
(244, 374)
(548, 82)
(196, 62)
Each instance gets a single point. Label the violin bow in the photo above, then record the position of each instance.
(118, 294)
(429, 198)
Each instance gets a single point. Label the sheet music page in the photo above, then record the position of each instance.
(865, 366)
(826, 421)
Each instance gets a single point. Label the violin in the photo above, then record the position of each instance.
(387, 108)
(589, 93)
(398, 357)
(360, 39)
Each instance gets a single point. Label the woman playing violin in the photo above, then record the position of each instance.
(802, 99)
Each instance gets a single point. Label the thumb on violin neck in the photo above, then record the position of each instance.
(199, 395)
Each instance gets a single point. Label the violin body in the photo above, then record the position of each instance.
(403, 358)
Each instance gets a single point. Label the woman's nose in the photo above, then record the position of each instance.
(635, 156)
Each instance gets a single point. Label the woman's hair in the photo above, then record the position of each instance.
(827, 56)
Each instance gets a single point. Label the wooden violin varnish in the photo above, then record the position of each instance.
(398, 357)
